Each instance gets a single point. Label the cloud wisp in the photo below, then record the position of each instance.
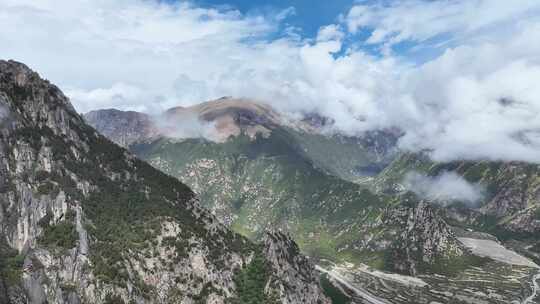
(420, 20)
(474, 96)
(188, 126)
(444, 188)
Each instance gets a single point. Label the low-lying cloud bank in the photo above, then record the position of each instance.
(444, 188)
(458, 77)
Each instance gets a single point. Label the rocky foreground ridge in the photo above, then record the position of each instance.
(83, 221)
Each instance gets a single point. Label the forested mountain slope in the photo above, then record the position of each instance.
(84, 221)
(345, 212)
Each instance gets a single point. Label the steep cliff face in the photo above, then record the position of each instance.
(514, 196)
(129, 127)
(291, 271)
(83, 221)
(423, 239)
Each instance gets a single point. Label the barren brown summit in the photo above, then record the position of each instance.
(230, 116)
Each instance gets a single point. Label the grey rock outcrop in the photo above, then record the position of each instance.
(422, 237)
(293, 274)
(122, 127)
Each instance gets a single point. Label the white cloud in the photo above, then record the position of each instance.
(458, 111)
(188, 126)
(420, 20)
(145, 56)
(443, 188)
(97, 45)
(119, 95)
(330, 32)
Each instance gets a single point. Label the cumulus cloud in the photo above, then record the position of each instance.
(121, 95)
(90, 47)
(477, 101)
(330, 32)
(443, 188)
(477, 98)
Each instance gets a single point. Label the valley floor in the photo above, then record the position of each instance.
(497, 252)
(507, 278)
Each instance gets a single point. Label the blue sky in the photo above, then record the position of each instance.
(309, 14)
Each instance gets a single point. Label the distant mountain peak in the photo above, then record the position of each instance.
(230, 116)
(216, 120)
(123, 127)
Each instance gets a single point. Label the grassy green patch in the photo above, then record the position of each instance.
(250, 283)
(11, 263)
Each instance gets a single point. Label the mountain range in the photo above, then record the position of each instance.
(346, 202)
(231, 201)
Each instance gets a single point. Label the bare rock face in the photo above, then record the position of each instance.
(423, 237)
(516, 189)
(511, 192)
(516, 197)
(230, 117)
(122, 127)
(292, 272)
(83, 221)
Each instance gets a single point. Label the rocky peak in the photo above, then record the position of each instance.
(242, 111)
(122, 127)
(291, 270)
(230, 117)
(423, 238)
(34, 100)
